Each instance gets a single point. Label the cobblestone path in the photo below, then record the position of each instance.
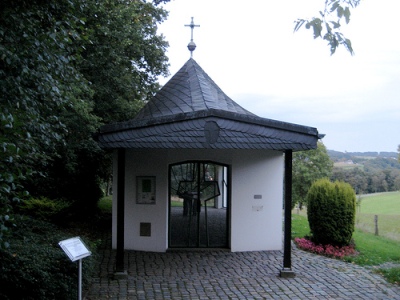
(218, 274)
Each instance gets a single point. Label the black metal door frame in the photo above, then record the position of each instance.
(199, 164)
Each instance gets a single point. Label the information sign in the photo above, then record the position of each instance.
(74, 248)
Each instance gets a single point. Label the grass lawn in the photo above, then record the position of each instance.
(180, 203)
(373, 250)
(105, 204)
(300, 227)
(387, 207)
(381, 204)
(388, 225)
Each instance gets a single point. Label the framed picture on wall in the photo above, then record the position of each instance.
(146, 190)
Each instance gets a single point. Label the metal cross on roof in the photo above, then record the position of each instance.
(191, 46)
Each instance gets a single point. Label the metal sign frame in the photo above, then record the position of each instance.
(75, 248)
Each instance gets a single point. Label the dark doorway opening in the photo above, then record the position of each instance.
(198, 205)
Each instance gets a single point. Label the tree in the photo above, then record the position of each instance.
(308, 166)
(60, 79)
(398, 150)
(327, 25)
(37, 83)
(355, 176)
(121, 56)
(396, 182)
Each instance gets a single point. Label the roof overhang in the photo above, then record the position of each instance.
(208, 129)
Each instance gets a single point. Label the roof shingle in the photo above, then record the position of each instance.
(189, 90)
(181, 113)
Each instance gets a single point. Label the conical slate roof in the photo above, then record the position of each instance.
(189, 90)
(192, 112)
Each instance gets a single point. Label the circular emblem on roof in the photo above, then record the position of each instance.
(211, 132)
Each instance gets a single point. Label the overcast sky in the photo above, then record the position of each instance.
(249, 49)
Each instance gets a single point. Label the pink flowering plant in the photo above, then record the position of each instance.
(326, 250)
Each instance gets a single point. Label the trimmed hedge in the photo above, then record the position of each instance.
(331, 212)
(45, 209)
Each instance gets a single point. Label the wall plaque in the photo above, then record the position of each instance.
(146, 190)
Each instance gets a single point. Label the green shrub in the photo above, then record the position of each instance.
(331, 212)
(35, 267)
(44, 208)
(105, 204)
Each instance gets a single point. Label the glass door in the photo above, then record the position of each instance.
(198, 205)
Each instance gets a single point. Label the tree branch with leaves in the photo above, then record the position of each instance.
(328, 25)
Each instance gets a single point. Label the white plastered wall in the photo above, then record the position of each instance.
(256, 199)
(144, 163)
(257, 195)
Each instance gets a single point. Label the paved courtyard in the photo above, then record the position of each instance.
(218, 274)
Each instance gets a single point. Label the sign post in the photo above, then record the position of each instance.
(76, 250)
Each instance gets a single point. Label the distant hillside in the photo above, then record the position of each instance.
(338, 156)
(367, 172)
(367, 161)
